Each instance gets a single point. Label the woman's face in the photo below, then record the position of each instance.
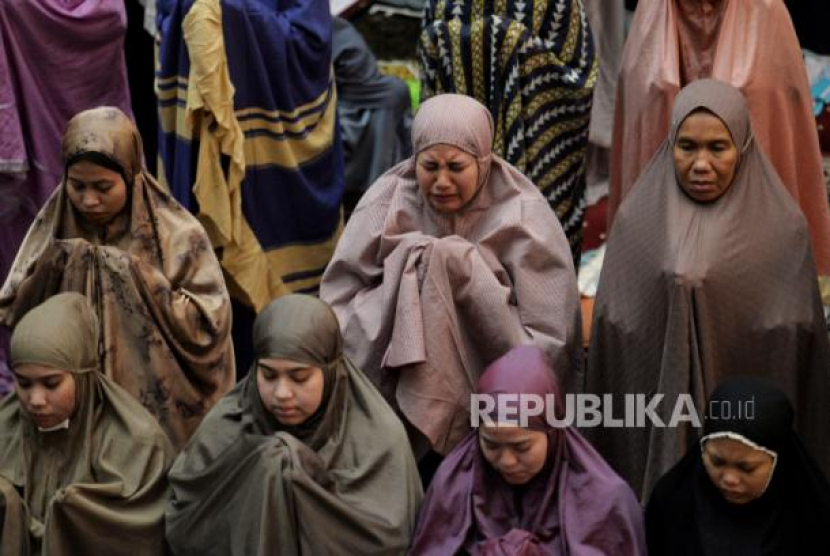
(518, 454)
(447, 177)
(46, 394)
(290, 391)
(98, 193)
(740, 472)
(705, 157)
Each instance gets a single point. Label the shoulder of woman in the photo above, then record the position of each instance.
(169, 211)
(396, 181)
(669, 488)
(124, 411)
(10, 419)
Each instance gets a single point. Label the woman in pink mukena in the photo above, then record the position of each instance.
(451, 258)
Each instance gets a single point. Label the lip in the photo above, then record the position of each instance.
(733, 495)
(95, 216)
(43, 420)
(702, 185)
(286, 412)
(443, 199)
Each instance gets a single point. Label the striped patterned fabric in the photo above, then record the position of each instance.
(532, 64)
(249, 138)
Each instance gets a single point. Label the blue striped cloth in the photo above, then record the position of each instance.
(249, 138)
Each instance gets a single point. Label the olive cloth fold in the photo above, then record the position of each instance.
(692, 293)
(344, 482)
(97, 486)
(156, 286)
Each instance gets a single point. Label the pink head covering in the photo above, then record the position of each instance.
(524, 370)
(459, 121)
(723, 100)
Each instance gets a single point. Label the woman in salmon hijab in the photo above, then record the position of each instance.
(145, 264)
(747, 488)
(708, 274)
(535, 490)
(83, 467)
(749, 44)
(450, 259)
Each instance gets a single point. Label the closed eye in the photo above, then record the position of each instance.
(490, 446)
(301, 375)
(716, 461)
(686, 145)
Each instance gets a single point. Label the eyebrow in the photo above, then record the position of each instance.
(45, 377)
(299, 367)
(104, 181)
(513, 443)
(457, 157)
(693, 140)
(752, 461)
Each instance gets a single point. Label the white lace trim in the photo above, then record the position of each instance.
(747, 442)
(60, 426)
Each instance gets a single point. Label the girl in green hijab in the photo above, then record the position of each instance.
(82, 463)
(303, 457)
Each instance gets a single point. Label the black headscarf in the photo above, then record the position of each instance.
(688, 516)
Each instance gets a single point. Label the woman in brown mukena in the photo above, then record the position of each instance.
(146, 265)
(708, 274)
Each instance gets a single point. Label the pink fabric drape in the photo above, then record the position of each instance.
(427, 300)
(756, 51)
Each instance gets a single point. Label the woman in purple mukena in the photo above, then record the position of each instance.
(508, 490)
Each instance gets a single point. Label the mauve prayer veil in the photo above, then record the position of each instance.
(692, 293)
(576, 505)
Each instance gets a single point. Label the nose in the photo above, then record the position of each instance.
(730, 480)
(507, 459)
(37, 398)
(283, 391)
(701, 164)
(442, 178)
(90, 199)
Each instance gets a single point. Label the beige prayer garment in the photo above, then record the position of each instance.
(95, 483)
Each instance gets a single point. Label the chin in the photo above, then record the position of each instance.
(445, 209)
(98, 220)
(739, 500)
(516, 480)
(292, 421)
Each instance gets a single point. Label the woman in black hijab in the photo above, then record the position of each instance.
(750, 489)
